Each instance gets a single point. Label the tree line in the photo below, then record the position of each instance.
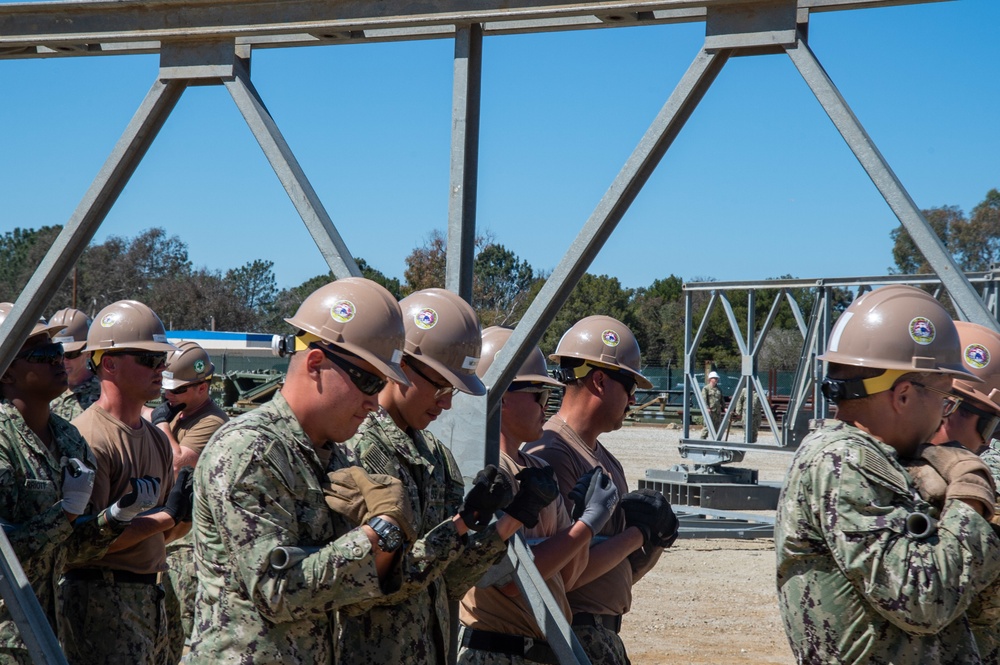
(154, 267)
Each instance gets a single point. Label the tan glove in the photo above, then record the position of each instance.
(929, 483)
(360, 496)
(967, 476)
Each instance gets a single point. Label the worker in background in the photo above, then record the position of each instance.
(84, 388)
(188, 417)
(599, 362)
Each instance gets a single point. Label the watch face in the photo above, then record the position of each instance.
(390, 536)
(390, 539)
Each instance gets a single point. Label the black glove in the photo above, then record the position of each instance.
(179, 502)
(166, 412)
(649, 511)
(489, 493)
(578, 495)
(538, 489)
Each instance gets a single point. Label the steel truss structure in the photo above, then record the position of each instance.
(210, 42)
(806, 402)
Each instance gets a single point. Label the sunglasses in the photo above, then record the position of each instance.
(365, 381)
(441, 389)
(948, 401)
(627, 380)
(73, 355)
(184, 389)
(150, 359)
(50, 353)
(540, 392)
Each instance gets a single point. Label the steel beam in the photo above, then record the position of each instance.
(464, 160)
(87, 218)
(291, 175)
(603, 221)
(964, 297)
(92, 27)
(25, 610)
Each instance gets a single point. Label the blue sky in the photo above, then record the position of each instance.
(758, 184)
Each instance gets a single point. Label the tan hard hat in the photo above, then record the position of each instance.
(41, 327)
(442, 331)
(127, 324)
(361, 317)
(604, 340)
(897, 328)
(74, 336)
(187, 364)
(532, 370)
(981, 356)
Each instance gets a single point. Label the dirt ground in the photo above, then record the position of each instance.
(707, 601)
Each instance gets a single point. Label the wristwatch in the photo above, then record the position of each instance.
(390, 536)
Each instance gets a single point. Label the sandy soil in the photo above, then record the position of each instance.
(707, 601)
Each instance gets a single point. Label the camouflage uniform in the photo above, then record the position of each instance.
(180, 583)
(755, 415)
(413, 625)
(991, 457)
(258, 485)
(33, 518)
(712, 397)
(853, 585)
(76, 399)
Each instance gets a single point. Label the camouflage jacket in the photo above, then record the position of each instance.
(258, 485)
(32, 514)
(413, 625)
(713, 401)
(991, 456)
(77, 399)
(854, 586)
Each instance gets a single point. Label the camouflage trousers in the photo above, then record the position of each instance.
(107, 623)
(180, 584)
(602, 646)
(12, 656)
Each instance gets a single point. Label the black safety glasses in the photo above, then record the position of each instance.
(627, 380)
(441, 389)
(51, 354)
(365, 381)
(184, 389)
(150, 359)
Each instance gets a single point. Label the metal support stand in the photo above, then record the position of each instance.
(23, 606)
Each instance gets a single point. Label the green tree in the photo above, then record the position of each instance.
(908, 258)
(501, 285)
(21, 252)
(253, 284)
(593, 294)
(425, 265)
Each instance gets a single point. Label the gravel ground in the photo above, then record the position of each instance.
(707, 601)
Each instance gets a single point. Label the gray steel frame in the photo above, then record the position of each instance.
(814, 330)
(209, 42)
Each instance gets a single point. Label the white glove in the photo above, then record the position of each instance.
(77, 485)
(144, 495)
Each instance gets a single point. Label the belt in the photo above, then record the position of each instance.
(528, 648)
(108, 575)
(612, 622)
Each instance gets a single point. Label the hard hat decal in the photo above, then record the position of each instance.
(610, 338)
(342, 311)
(199, 366)
(159, 338)
(922, 330)
(168, 375)
(426, 318)
(62, 339)
(397, 355)
(110, 319)
(470, 363)
(977, 356)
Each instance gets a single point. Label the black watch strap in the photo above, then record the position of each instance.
(390, 536)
